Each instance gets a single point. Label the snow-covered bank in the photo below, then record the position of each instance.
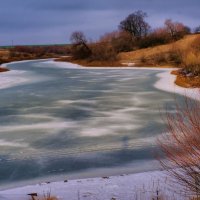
(140, 186)
(6, 65)
(63, 65)
(12, 78)
(166, 82)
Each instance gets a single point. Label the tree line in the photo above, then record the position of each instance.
(134, 32)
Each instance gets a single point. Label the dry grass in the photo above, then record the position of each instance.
(20, 53)
(191, 62)
(49, 198)
(181, 144)
(186, 82)
(148, 53)
(4, 53)
(45, 197)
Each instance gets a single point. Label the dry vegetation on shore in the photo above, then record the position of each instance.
(19, 53)
(87, 63)
(151, 55)
(181, 144)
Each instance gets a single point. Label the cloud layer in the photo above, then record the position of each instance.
(52, 21)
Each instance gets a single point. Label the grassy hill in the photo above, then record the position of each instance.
(146, 56)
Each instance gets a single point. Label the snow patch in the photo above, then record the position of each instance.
(166, 82)
(141, 186)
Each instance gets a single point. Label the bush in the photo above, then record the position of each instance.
(160, 58)
(143, 59)
(175, 56)
(196, 44)
(103, 52)
(123, 42)
(191, 58)
(158, 37)
(37, 51)
(191, 63)
(79, 51)
(181, 145)
(176, 30)
(156, 59)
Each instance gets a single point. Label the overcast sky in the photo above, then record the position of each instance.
(52, 21)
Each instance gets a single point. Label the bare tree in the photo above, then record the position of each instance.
(121, 41)
(135, 24)
(181, 145)
(80, 49)
(78, 37)
(176, 29)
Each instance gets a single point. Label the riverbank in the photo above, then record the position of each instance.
(88, 63)
(166, 82)
(23, 53)
(141, 186)
(116, 64)
(181, 80)
(3, 69)
(186, 81)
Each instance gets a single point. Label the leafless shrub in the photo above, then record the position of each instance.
(191, 63)
(181, 145)
(80, 48)
(103, 52)
(175, 55)
(176, 29)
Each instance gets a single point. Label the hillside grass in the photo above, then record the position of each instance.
(147, 53)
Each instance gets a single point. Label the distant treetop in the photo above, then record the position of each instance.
(135, 24)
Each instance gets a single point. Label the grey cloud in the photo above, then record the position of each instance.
(52, 21)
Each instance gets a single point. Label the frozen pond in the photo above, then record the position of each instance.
(58, 122)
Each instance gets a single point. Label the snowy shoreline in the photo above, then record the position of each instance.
(140, 186)
(166, 83)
